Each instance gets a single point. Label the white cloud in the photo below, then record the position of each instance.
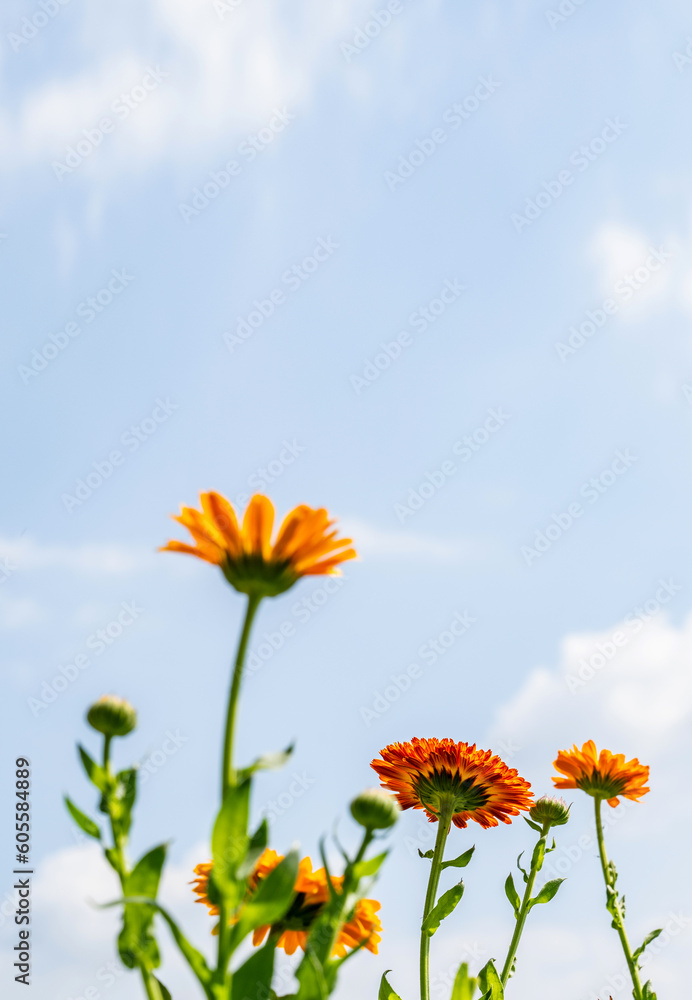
(24, 554)
(623, 255)
(372, 540)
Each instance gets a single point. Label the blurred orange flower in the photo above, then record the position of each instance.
(604, 776)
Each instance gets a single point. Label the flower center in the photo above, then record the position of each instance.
(440, 787)
(601, 786)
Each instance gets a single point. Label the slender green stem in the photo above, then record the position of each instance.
(151, 989)
(227, 769)
(536, 865)
(444, 820)
(613, 905)
(326, 945)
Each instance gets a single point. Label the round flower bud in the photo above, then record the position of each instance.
(550, 809)
(375, 809)
(112, 716)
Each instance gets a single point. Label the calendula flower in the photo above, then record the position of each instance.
(433, 774)
(312, 892)
(304, 546)
(605, 775)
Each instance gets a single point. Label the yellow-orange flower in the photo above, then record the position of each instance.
(605, 775)
(436, 774)
(304, 546)
(312, 892)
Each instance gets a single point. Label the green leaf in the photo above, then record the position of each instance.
(464, 985)
(135, 943)
(647, 941)
(82, 821)
(112, 858)
(95, 773)
(267, 762)
(648, 991)
(310, 975)
(534, 826)
(364, 869)
(229, 840)
(547, 892)
(386, 991)
(165, 994)
(490, 983)
(254, 978)
(124, 799)
(258, 843)
(271, 899)
(523, 871)
(538, 855)
(512, 895)
(428, 854)
(461, 861)
(444, 906)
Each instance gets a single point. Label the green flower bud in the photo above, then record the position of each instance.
(375, 809)
(550, 809)
(112, 716)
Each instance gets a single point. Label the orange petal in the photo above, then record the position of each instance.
(221, 513)
(257, 526)
(174, 546)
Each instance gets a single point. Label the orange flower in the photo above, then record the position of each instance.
(250, 562)
(431, 774)
(605, 775)
(312, 892)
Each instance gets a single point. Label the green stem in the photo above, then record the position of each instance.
(536, 865)
(326, 946)
(151, 989)
(227, 770)
(613, 905)
(444, 821)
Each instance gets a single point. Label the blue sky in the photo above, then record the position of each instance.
(408, 166)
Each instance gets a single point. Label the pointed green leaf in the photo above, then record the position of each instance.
(82, 821)
(427, 854)
(534, 826)
(538, 855)
(386, 991)
(271, 899)
(256, 847)
(512, 895)
(445, 905)
(124, 799)
(547, 892)
(523, 871)
(254, 978)
(165, 995)
(135, 943)
(461, 861)
(646, 942)
(310, 975)
(464, 985)
(267, 762)
(229, 839)
(490, 983)
(95, 773)
(364, 869)
(648, 991)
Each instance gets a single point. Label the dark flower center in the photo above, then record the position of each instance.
(439, 787)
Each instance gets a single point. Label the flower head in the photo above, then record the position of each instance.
(436, 774)
(112, 716)
(550, 809)
(605, 775)
(304, 546)
(312, 892)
